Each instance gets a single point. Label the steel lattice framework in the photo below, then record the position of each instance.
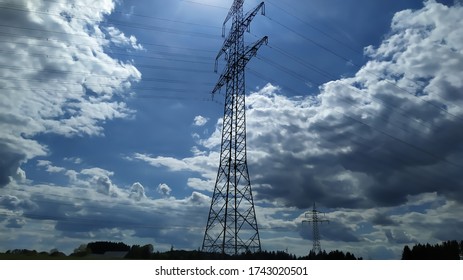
(232, 225)
(314, 218)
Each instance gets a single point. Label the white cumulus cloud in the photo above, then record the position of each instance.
(59, 78)
(200, 121)
(164, 189)
(137, 191)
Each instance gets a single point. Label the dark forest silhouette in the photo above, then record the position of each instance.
(448, 250)
(333, 255)
(113, 250)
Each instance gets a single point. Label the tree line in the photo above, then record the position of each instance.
(103, 250)
(448, 250)
(333, 255)
(147, 252)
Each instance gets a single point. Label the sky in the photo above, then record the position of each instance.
(109, 131)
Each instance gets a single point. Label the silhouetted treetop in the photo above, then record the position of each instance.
(447, 250)
(100, 247)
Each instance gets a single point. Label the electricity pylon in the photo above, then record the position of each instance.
(232, 225)
(312, 217)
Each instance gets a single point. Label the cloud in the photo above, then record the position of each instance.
(164, 189)
(382, 219)
(198, 198)
(97, 172)
(202, 163)
(373, 139)
(372, 146)
(75, 160)
(20, 175)
(200, 121)
(14, 150)
(398, 236)
(137, 191)
(104, 185)
(59, 77)
(49, 167)
(92, 207)
(15, 223)
(14, 203)
(380, 150)
(120, 39)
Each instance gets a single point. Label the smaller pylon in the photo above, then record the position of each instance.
(313, 217)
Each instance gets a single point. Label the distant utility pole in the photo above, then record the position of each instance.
(232, 224)
(313, 217)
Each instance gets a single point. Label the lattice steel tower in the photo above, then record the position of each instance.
(232, 225)
(313, 217)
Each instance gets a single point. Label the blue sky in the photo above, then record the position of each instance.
(109, 130)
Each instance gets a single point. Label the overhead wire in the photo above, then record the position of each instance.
(312, 41)
(326, 74)
(269, 61)
(312, 26)
(420, 149)
(161, 54)
(302, 78)
(139, 65)
(436, 177)
(327, 49)
(24, 8)
(337, 54)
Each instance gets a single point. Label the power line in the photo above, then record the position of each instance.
(204, 4)
(395, 138)
(387, 134)
(121, 23)
(331, 76)
(160, 29)
(284, 70)
(344, 58)
(73, 72)
(312, 26)
(48, 40)
(394, 84)
(278, 66)
(367, 145)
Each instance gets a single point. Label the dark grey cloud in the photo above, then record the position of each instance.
(452, 229)
(83, 212)
(92, 206)
(399, 135)
(383, 220)
(16, 203)
(9, 164)
(332, 231)
(15, 223)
